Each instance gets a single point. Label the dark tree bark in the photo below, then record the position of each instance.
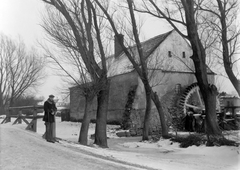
(147, 115)
(158, 105)
(100, 130)
(199, 59)
(212, 128)
(83, 136)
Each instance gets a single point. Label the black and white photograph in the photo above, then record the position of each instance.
(119, 84)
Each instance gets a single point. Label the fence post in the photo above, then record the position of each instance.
(20, 116)
(8, 115)
(34, 119)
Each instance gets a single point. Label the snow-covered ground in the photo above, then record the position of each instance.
(164, 154)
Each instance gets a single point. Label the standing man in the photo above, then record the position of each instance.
(49, 113)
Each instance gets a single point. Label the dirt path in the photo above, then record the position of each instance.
(21, 149)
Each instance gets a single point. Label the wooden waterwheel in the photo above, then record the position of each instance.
(192, 99)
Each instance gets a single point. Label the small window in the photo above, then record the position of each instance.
(183, 54)
(177, 88)
(169, 54)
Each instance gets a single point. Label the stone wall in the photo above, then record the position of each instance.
(77, 103)
(119, 88)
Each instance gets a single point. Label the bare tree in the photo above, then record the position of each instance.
(182, 15)
(140, 65)
(224, 15)
(78, 27)
(20, 70)
(69, 65)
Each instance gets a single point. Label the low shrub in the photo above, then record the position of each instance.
(221, 142)
(198, 139)
(190, 140)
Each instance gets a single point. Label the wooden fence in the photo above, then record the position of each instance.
(32, 125)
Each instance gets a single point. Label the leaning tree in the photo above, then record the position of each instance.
(80, 31)
(183, 15)
(223, 22)
(139, 62)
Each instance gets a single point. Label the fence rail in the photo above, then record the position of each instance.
(20, 117)
(27, 107)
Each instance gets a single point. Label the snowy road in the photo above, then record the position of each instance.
(21, 149)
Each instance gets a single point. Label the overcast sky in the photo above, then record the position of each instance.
(22, 18)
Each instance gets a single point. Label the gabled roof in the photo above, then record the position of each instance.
(151, 44)
(148, 48)
(121, 64)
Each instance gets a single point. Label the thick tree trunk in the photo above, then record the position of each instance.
(83, 136)
(199, 60)
(102, 109)
(209, 93)
(147, 115)
(158, 105)
(212, 127)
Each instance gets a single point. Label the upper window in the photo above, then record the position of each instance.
(183, 54)
(169, 54)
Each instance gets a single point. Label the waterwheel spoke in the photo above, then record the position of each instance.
(200, 98)
(194, 107)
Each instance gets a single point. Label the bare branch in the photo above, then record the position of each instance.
(20, 70)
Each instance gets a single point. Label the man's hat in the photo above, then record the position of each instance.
(51, 96)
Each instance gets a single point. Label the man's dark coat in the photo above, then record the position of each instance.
(49, 108)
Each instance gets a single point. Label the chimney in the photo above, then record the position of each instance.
(117, 46)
